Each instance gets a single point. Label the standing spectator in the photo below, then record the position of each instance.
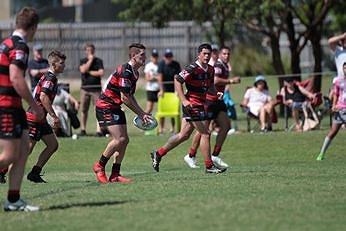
(214, 54)
(152, 86)
(39, 129)
(339, 107)
(120, 88)
(338, 46)
(14, 138)
(91, 68)
(198, 78)
(168, 68)
(37, 66)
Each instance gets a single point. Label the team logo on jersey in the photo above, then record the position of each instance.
(48, 84)
(218, 70)
(20, 55)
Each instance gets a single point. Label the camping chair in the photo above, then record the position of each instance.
(308, 115)
(250, 116)
(169, 106)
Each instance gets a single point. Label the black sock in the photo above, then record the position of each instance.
(36, 170)
(13, 195)
(103, 161)
(116, 169)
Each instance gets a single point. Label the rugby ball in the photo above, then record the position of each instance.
(139, 123)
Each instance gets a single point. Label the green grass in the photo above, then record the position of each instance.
(275, 183)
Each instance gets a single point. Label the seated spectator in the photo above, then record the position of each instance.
(259, 103)
(294, 96)
(62, 99)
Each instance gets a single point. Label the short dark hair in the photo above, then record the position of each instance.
(204, 46)
(90, 45)
(55, 56)
(135, 48)
(27, 18)
(225, 47)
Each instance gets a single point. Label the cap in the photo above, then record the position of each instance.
(260, 78)
(168, 52)
(37, 47)
(154, 53)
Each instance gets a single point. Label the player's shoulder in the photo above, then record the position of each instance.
(191, 67)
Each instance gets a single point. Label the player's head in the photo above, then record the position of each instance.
(137, 54)
(27, 19)
(225, 54)
(204, 53)
(89, 49)
(56, 60)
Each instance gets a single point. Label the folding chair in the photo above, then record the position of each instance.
(169, 106)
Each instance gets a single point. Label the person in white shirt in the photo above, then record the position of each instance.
(152, 86)
(338, 46)
(259, 102)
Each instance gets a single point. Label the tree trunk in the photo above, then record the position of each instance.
(317, 53)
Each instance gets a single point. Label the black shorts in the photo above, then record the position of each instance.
(195, 113)
(152, 96)
(12, 123)
(108, 117)
(37, 130)
(214, 108)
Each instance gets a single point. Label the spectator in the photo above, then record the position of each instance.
(294, 96)
(91, 68)
(167, 69)
(60, 103)
(338, 46)
(214, 54)
(152, 86)
(37, 66)
(259, 102)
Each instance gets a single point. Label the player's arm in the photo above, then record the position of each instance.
(221, 82)
(37, 73)
(180, 92)
(19, 84)
(130, 101)
(333, 41)
(47, 104)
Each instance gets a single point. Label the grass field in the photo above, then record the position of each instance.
(274, 183)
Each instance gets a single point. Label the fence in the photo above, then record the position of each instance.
(112, 39)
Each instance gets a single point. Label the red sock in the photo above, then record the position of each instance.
(161, 152)
(217, 150)
(13, 195)
(208, 163)
(192, 152)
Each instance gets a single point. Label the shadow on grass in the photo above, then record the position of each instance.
(86, 204)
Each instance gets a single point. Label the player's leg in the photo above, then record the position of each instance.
(202, 128)
(224, 123)
(190, 158)
(13, 202)
(328, 139)
(173, 141)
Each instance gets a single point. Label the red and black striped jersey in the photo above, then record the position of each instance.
(221, 71)
(49, 85)
(13, 50)
(123, 80)
(197, 81)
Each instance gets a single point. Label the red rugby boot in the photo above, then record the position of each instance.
(113, 178)
(100, 173)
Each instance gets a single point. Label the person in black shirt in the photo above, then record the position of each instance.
(91, 68)
(167, 70)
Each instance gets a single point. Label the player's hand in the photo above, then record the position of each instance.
(38, 111)
(186, 103)
(146, 118)
(56, 122)
(235, 80)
